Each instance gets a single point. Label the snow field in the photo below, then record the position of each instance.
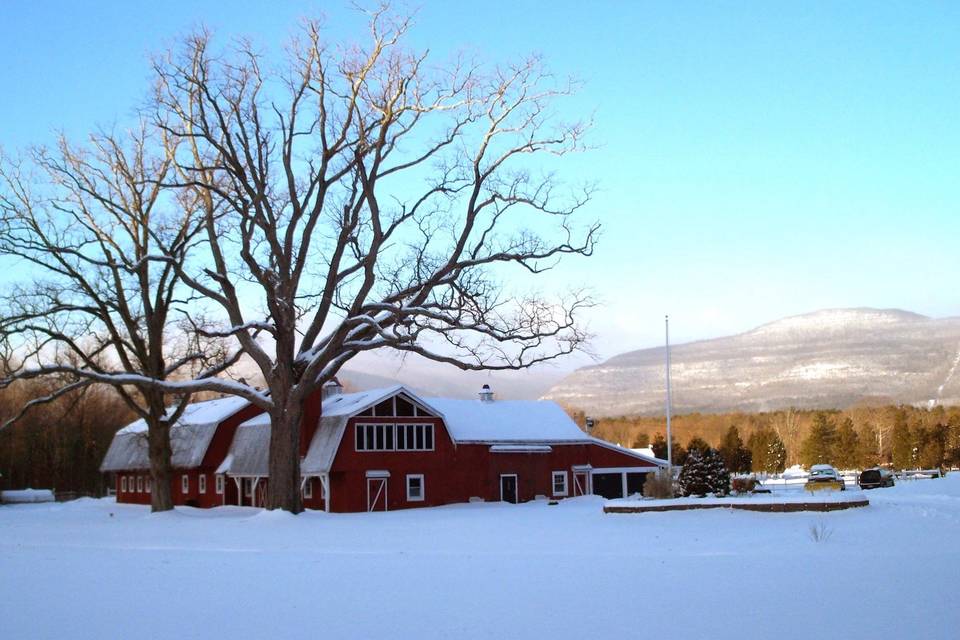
(483, 571)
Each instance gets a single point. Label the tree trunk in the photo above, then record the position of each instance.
(161, 469)
(283, 490)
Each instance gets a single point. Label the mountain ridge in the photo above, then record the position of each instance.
(829, 358)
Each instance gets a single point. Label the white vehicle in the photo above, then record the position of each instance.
(825, 473)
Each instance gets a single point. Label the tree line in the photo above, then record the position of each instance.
(902, 437)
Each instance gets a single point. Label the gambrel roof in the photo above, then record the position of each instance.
(189, 437)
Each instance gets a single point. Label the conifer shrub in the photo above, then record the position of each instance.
(703, 473)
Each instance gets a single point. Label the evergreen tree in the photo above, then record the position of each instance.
(932, 445)
(693, 476)
(953, 440)
(902, 445)
(703, 473)
(642, 440)
(735, 455)
(847, 452)
(698, 443)
(659, 446)
(758, 443)
(818, 447)
(776, 460)
(718, 477)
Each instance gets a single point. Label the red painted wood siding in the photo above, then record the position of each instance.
(455, 473)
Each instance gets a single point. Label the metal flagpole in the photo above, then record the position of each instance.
(666, 320)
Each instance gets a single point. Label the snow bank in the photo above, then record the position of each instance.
(779, 497)
(22, 496)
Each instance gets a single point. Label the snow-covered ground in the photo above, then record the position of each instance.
(95, 569)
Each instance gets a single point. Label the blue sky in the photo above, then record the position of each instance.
(756, 160)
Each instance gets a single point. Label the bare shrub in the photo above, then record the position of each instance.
(820, 531)
(658, 485)
(743, 484)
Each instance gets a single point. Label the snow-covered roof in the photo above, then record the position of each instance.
(323, 446)
(189, 437)
(507, 421)
(249, 453)
(349, 404)
(197, 413)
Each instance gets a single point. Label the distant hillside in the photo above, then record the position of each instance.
(827, 359)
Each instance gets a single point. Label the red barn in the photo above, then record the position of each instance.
(199, 441)
(390, 449)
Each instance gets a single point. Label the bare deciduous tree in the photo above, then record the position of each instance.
(100, 242)
(359, 199)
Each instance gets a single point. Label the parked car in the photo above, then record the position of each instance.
(823, 476)
(874, 478)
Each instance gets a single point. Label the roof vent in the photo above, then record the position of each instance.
(486, 395)
(331, 388)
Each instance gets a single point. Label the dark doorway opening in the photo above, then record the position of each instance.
(608, 485)
(508, 488)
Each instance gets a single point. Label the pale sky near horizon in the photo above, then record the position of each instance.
(756, 160)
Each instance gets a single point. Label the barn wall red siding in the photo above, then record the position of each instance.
(348, 481)
(455, 473)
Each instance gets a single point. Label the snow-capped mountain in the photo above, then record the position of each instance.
(826, 359)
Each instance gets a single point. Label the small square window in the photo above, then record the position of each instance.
(559, 483)
(415, 488)
(219, 484)
(203, 483)
(185, 483)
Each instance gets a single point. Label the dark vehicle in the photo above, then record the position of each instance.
(875, 478)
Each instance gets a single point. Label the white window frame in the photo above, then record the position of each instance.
(146, 484)
(139, 484)
(423, 487)
(219, 482)
(308, 488)
(123, 484)
(553, 483)
(360, 443)
(426, 427)
(185, 484)
(202, 483)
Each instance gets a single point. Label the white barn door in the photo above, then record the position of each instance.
(376, 494)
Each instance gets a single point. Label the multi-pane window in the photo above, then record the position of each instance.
(415, 488)
(123, 483)
(394, 437)
(146, 485)
(414, 437)
(395, 406)
(219, 484)
(203, 483)
(185, 483)
(559, 483)
(308, 488)
(139, 484)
